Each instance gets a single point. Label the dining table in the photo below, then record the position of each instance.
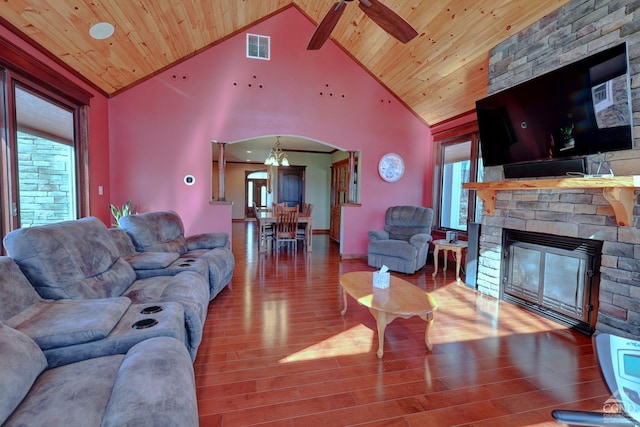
(267, 218)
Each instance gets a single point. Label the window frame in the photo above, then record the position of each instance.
(260, 40)
(19, 67)
(451, 136)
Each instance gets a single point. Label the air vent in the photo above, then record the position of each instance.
(258, 47)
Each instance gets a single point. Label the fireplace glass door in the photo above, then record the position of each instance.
(550, 275)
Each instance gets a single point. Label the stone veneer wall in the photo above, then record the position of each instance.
(579, 29)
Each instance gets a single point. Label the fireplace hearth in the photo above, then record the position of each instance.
(554, 276)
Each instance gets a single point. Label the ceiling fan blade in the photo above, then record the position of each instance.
(328, 23)
(388, 20)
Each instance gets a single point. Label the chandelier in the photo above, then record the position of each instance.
(276, 156)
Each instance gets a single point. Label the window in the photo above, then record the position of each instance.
(46, 166)
(454, 200)
(457, 163)
(44, 140)
(258, 46)
(602, 96)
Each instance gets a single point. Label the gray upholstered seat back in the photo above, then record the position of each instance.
(156, 231)
(70, 259)
(15, 290)
(402, 222)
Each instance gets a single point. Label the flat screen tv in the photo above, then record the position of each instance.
(579, 109)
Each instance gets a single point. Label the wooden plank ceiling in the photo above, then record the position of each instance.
(439, 74)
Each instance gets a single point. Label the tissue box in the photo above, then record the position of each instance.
(381, 280)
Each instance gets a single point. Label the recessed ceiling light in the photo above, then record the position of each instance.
(101, 30)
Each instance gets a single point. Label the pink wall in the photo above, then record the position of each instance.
(160, 130)
(98, 133)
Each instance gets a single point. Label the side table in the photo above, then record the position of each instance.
(458, 247)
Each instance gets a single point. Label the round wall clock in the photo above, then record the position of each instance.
(391, 167)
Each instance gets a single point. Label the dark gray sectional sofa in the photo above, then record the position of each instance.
(80, 299)
(151, 385)
(163, 233)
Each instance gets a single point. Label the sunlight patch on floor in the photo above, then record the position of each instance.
(455, 299)
(356, 340)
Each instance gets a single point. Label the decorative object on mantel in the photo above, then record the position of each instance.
(391, 167)
(276, 156)
(619, 191)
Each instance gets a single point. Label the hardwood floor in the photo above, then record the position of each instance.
(277, 352)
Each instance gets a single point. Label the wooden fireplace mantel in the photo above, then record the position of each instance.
(618, 190)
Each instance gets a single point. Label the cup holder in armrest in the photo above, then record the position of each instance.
(151, 309)
(144, 323)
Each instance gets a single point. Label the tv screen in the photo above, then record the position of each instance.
(582, 108)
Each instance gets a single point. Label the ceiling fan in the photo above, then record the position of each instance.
(386, 18)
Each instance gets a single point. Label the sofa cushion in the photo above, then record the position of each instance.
(395, 248)
(16, 291)
(70, 395)
(70, 259)
(60, 323)
(122, 241)
(21, 361)
(156, 232)
(401, 222)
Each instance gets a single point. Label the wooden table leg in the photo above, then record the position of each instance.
(382, 325)
(344, 301)
(436, 250)
(429, 319)
(309, 233)
(262, 238)
(382, 320)
(458, 253)
(446, 256)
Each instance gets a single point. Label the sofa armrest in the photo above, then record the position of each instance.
(378, 235)
(207, 241)
(420, 239)
(154, 386)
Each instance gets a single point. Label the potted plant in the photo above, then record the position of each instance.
(119, 212)
(567, 136)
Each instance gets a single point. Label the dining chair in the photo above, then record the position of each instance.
(286, 226)
(301, 232)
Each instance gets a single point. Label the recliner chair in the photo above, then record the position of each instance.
(403, 245)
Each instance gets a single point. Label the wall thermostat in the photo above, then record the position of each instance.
(189, 179)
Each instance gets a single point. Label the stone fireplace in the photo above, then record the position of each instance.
(578, 29)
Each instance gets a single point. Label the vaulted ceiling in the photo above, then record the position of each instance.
(438, 75)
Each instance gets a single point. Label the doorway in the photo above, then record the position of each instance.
(256, 189)
(291, 184)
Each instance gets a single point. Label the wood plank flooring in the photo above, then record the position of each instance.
(277, 352)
